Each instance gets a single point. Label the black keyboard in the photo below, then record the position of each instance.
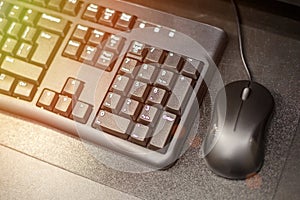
(119, 75)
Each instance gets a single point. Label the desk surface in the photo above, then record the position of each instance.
(273, 50)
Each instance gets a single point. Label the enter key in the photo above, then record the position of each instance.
(46, 45)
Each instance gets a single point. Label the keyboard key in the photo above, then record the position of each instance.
(14, 30)
(72, 88)
(96, 38)
(112, 102)
(148, 116)
(140, 134)
(106, 60)
(88, 54)
(30, 17)
(192, 68)
(55, 4)
(46, 46)
(121, 85)
(15, 13)
(139, 91)
(71, 7)
(163, 132)
(81, 33)
(73, 49)
(24, 51)
(108, 17)
(4, 8)
(125, 22)
(115, 44)
(137, 50)
(6, 84)
(179, 96)
(129, 67)
(42, 3)
(55, 24)
(29, 34)
(173, 62)
(113, 124)
(130, 109)
(24, 90)
(81, 112)
(157, 97)
(147, 73)
(165, 79)
(3, 25)
(47, 99)
(154, 55)
(63, 105)
(9, 46)
(92, 13)
(22, 69)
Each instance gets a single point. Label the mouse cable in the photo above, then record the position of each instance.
(240, 37)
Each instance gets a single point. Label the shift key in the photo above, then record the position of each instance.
(21, 69)
(53, 24)
(45, 50)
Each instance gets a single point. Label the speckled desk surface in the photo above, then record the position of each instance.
(273, 53)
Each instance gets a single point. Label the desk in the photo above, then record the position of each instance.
(272, 47)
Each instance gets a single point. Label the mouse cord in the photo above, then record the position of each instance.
(240, 37)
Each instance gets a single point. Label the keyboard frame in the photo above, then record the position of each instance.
(211, 38)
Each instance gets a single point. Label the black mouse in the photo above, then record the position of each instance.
(234, 148)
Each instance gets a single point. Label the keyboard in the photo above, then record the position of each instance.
(119, 75)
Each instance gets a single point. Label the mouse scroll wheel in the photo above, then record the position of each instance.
(245, 93)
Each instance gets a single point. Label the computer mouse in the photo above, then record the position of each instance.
(234, 148)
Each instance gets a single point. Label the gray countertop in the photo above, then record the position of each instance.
(272, 49)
